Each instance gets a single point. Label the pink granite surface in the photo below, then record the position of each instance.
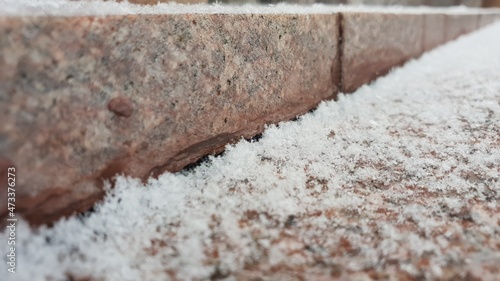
(86, 98)
(373, 43)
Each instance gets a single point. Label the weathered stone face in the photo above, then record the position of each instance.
(373, 43)
(457, 25)
(434, 31)
(86, 98)
(486, 19)
(153, 2)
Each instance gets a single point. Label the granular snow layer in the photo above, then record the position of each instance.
(398, 181)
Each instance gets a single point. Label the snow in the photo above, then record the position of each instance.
(401, 177)
(101, 8)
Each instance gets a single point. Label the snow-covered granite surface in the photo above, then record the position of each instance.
(398, 181)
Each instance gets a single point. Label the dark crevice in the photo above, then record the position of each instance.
(422, 40)
(255, 138)
(86, 214)
(205, 159)
(340, 53)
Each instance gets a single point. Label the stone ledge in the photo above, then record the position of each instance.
(85, 98)
(434, 31)
(374, 43)
(457, 25)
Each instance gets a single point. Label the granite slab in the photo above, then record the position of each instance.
(460, 24)
(373, 43)
(487, 19)
(434, 31)
(85, 98)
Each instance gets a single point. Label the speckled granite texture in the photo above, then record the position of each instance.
(374, 43)
(86, 98)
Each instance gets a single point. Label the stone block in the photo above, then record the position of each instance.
(472, 3)
(373, 43)
(491, 3)
(434, 31)
(405, 3)
(441, 3)
(487, 19)
(153, 2)
(86, 98)
(460, 24)
(364, 2)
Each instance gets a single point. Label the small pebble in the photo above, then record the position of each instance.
(121, 106)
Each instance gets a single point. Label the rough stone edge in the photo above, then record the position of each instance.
(451, 26)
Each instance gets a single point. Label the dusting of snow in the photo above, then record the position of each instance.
(400, 179)
(102, 8)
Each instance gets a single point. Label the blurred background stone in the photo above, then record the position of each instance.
(373, 43)
(435, 3)
(153, 2)
(491, 3)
